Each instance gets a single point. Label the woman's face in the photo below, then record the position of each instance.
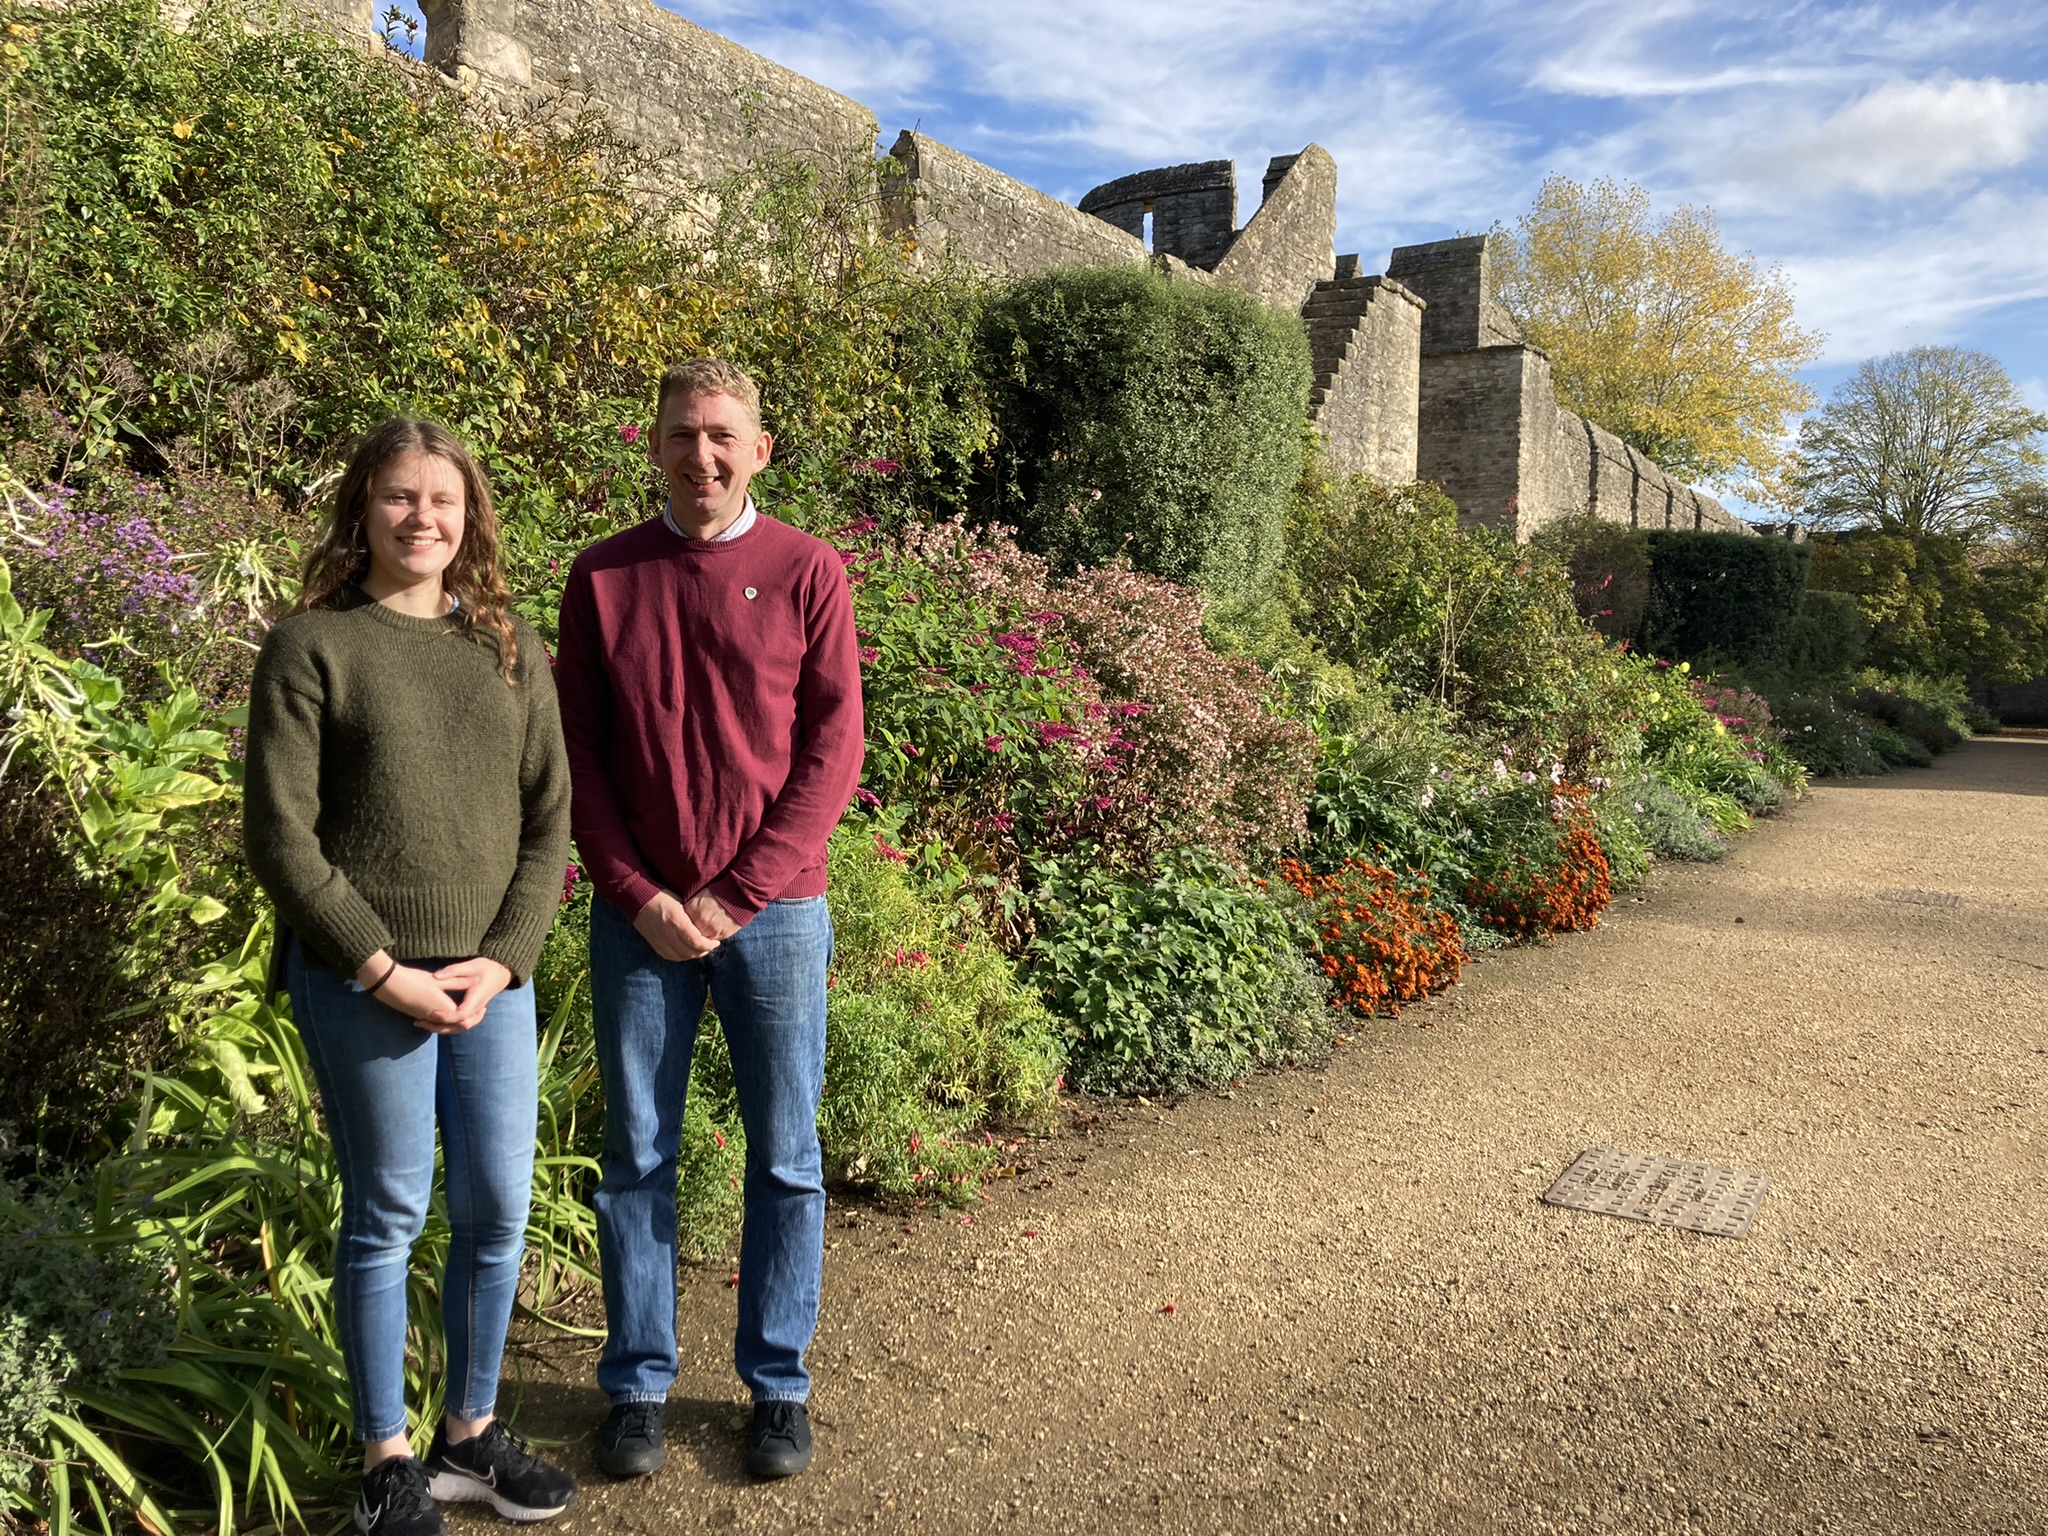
(414, 523)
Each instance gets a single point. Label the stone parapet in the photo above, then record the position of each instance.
(1290, 244)
(1455, 278)
(1365, 335)
(707, 104)
(948, 202)
(1487, 418)
(1193, 208)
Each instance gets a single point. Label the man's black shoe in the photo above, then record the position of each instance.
(395, 1502)
(629, 1440)
(779, 1444)
(500, 1469)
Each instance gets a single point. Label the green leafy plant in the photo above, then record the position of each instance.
(1191, 976)
(1671, 823)
(105, 796)
(1143, 419)
(1828, 737)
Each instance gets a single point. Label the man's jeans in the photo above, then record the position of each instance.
(768, 984)
(384, 1082)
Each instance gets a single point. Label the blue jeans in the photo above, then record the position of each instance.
(768, 983)
(384, 1083)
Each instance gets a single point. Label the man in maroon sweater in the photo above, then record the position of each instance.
(710, 689)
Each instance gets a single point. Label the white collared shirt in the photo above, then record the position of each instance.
(738, 526)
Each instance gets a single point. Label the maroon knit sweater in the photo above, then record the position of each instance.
(711, 702)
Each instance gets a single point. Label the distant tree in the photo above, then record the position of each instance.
(1936, 604)
(1931, 440)
(1683, 349)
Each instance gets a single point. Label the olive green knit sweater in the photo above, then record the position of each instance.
(400, 794)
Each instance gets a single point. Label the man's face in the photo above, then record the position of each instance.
(709, 447)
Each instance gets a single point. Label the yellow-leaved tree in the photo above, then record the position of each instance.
(1680, 347)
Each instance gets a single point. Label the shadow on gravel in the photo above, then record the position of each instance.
(705, 1448)
(1990, 765)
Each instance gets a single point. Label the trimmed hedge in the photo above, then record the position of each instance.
(1147, 420)
(1728, 596)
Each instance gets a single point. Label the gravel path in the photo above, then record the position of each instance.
(1333, 1301)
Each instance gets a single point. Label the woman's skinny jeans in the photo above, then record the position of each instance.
(385, 1084)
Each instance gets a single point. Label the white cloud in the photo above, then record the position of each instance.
(1889, 152)
(1926, 283)
(874, 69)
(1906, 137)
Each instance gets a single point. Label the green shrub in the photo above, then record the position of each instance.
(1670, 822)
(1827, 637)
(1404, 805)
(1609, 568)
(1625, 838)
(1143, 419)
(1463, 619)
(930, 1035)
(1933, 711)
(1714, 743)
(1110, 670)
(1829, 737)
(1936, 605)
(1900, 751)
(307, 239)
(74, 1315)
(1188, 978)
(109, 801)
(1724, 596)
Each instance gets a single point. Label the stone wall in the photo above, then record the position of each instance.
(949, 202)
(1486, 424)
(1290, 244)
(1365, 334)
(1595, 472)
(1193, 208)
(1454, 278)
(1567, 466)
(668, 85)
(1420, 373)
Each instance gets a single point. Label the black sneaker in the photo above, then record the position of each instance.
(629, 1440)
(779, 1443)
(500, 1469)
(395, 1502)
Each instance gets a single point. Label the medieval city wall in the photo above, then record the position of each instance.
(1418, 374)
(952, 204)
(1365, 335)
(1290, 244)
(706, 104)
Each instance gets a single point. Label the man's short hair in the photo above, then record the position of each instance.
(709, 376)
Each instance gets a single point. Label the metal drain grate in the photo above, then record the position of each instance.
(1640, 1186)
(1922, 898)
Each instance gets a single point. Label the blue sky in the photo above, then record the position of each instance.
(1893, 158)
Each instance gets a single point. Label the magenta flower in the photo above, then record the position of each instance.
(629, 434)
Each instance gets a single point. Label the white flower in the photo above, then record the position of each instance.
(1528, 778)
(1500, 769)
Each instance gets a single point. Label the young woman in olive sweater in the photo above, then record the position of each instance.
(407, 809)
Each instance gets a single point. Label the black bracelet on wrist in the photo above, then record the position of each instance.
(389, 971)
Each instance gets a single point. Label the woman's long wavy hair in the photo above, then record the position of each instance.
(341, 557)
